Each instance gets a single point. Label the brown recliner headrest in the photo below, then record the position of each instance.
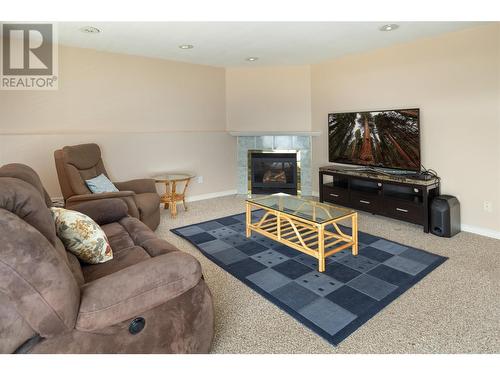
(83, 156)
(27, 174)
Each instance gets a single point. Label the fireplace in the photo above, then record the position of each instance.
(272, 172)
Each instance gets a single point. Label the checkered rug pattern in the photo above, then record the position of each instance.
(334, 303)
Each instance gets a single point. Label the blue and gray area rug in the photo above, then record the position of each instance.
(334, 303)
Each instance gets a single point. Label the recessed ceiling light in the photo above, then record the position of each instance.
(186, 46)
(90, 30)
(389, 27)
(252, 58)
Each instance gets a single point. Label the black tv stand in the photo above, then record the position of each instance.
(403, 197)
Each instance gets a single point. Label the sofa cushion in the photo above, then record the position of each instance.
(118, 236)
(141, 235)
(82, 236)
(121, 259)
(101, 184)
(131, 241)
(137, 230)
(157, 246)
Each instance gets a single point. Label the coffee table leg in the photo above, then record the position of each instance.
(321, 248)
(354, 221)
(248, 220)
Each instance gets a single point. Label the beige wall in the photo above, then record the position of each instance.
(108, 92)
(455, 81)
(153, 115)
(148, 115)
(269, 98)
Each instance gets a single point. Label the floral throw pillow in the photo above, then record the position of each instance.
(82, 236)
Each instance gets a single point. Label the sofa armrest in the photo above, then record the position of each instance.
(139, 186)
(103, 211)
(131, 291)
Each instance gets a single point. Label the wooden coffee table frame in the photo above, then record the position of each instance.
(304, 235)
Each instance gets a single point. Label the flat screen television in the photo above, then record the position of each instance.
(384, 139)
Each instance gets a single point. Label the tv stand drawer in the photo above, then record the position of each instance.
(365, 201)
(404, 211)
(335, 195)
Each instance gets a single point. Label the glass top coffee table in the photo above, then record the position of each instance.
(300, 224)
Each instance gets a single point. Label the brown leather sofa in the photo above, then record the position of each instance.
(75, 164)
(50, 303)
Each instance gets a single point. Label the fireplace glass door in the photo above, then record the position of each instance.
(273, 173)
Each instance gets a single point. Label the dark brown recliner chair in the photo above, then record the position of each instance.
(50, 303)
(75, 164)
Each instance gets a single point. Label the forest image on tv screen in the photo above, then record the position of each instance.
(385, 138)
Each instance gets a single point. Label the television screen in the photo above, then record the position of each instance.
(387, 139)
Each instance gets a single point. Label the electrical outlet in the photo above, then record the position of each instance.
(488, 206)
(200, 179)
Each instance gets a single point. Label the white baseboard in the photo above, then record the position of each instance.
(217, 194)
(481, 231)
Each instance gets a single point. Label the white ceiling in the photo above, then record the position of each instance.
(228, 44)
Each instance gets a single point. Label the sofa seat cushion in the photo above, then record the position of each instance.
(147, 203)
(121, 259)
(118, 236)
(145, 237)
(132, 242)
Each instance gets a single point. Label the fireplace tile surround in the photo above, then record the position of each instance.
(300, 143)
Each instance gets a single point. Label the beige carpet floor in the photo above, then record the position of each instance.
(455, 309)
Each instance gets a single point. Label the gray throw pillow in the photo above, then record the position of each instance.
(101, 184)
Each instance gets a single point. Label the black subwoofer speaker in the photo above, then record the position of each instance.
(445, 216)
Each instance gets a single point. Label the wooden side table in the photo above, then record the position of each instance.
(171, 196)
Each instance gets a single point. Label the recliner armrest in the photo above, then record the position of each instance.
(138, 186)
(103, 211)
(127, 196)
(131, 291)
(91, 197)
